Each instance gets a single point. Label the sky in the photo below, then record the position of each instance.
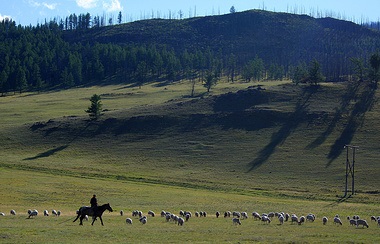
(32, 12)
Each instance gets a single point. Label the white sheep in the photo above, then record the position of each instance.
(163, 213)
(143, 220)
(54, 212)
(180, 221)
(301, 220)
(337, 220)
(265, 219)
(33, 213)
(373, 218)
(2, 214)
(353, 222)
(310, 217)
(187, 216)
(13, 212)
(128, 221)
(244, 215)
(46, 213)
(324, 220)
(281, 218)
(151, 213)
(294, 218)
(236, 221)
(227, 214)
(361, 222)
(256, 215)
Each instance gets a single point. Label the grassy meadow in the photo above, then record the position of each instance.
(52, 157)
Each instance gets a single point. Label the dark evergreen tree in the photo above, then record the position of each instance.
(95, 109)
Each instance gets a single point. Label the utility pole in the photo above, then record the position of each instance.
(350, 169)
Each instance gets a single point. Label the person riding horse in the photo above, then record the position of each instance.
(94, 203)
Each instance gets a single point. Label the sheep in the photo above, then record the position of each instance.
(236, 221)
(151, 213)
(256, 215)
(128, 221)
(271, 214)
(227, 214)
(187, 217)
(301, 220)
(217, 214)
(287, 216)
(182, 213)
(265, 219)
(337, 220)
(353, 222)
(294, 218)
(13, 212)
(236, 214)
(29, 211)
(143, 220)
(373, 218)
(46, 213)
(361, 222)
(324, 220)
(310, 217)
(167, 217)
(33, 213)
(244, 215)
(2, 214)
(180, 221)
(187, 213)
(163, 213)
(54, 212)
(121, 212)
(59, 213)
(281, 218)
(196, 214)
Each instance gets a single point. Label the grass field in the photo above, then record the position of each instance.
(157, 149)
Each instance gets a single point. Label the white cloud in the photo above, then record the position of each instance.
(36, 4)
(3, 17)
(112, 6)
(87, 3)
(50, 6)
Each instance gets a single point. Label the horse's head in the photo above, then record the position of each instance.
(108, 207)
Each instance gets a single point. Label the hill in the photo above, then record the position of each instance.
(278, 38)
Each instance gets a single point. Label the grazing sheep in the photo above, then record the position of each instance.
(59, 213)
(187, 213)
(236, 214)
(324, 220)
(244, 215)
(236, 221)
(271, 214)
(265, 219)
(337, 220)
(33, 213)
(227, 214)
(187, 217)
(353, 222)
(2, 214)
(29, 211)
(13, 212)
(373, 218)
(196, 214)
(294, 218)
(287, 216)
(256, 215)
(163, 213)
(121, 212)
(54, 212)
(143, 220)
(182, 213)
(310, 217)
(281, 218)
(180, 221)
(301, 220)
(361, 222)
(167, 217)
(46, 213)
(128, 221)
(217, 214)
(151, 213)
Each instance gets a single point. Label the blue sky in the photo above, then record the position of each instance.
(27, 12)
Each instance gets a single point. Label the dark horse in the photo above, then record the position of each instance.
(85, 210)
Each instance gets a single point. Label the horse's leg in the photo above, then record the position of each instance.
(101, 220)
(81, 219)
(93, 220)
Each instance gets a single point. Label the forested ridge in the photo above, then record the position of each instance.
(51, 55)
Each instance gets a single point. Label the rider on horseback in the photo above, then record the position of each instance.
(94, 203)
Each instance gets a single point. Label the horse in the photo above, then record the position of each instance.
(85, 210)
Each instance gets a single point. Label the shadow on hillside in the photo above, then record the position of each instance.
(355, 120)
(48, 153)
(291, 124)
(351, 94)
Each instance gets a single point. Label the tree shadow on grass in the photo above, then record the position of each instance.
(48, 153)
(288, 127)
(351, 94)
(355, 120)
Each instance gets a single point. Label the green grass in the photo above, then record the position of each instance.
(206, 168)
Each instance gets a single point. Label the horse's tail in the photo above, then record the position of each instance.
(78, 214)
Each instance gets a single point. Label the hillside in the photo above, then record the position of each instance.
(278, 38)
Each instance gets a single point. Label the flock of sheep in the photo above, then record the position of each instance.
(185, 216)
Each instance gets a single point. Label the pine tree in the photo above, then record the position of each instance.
(94, 111)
